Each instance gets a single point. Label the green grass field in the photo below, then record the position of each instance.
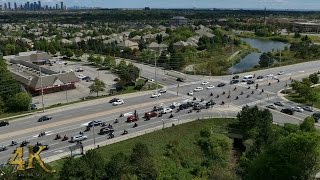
(296, 98)
(185, 135)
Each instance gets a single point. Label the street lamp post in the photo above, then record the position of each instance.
(162, 123)
(94, 138)
(42, 102)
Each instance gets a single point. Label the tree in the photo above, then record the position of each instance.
(314, 78)
(118, 167)
(97, 86)
(308, 124)
(142, 163)
(159, 38)
(19, 102)
(297, 35)
(266, 59)
(68, 53)
(142, 44)
(2, 105)
(296, 156)
(177, 61)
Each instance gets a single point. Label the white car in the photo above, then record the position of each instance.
(176, 104)
(298, 109)
(198, 89)
(210, 87)
(118, 102)
(127, 114)
(269, 75)
(190, 93)
(280, 72)
(155, 94)
(204, 83)
(162, 91)
(78, 138)
(166, 110)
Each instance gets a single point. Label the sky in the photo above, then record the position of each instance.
(246, 4)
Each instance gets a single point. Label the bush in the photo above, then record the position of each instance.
(19, 102)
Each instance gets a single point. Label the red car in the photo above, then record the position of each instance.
(150, 114)
(132, 118)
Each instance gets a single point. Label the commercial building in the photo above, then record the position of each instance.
(26, 69)
(306, 27)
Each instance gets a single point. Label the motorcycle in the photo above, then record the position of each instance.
(125, 132)
(135, 125)
(57, 137)
(248, 96)
(194, 98)
(24, 143)
(198, 110)
(257, 86)
(147, 118)
(223, 93)
(65, 138)
(103, 124)
(252, 92)
(160, 114)
(116, 121)
(13, 143)
(111, 135)
(241, 93)
(121, 115)
(110, 126)
(237, 98)
(262, 90)
(211, 94)
(42, 134)
(228, 96)
(87, 129)
(201, 100)
(235, 88)
(218, 96)
(171, 116)
(248, 87)
(178, 110)
(269, 84)
(222, 103)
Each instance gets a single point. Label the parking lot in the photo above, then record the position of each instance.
(82, 89)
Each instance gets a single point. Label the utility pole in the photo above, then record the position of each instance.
(66, 92)
(41, 89)
(280, 57)
(231, 75)
(94, 138)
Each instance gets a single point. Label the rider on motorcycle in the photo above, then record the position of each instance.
(171, 115)
(135, 125)
(125, 132)
(211, 94)
(116, 121)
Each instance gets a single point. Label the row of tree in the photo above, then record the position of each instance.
(12, 98)
(304, 90)
(277, 152)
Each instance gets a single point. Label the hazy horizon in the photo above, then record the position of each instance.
(167, 4)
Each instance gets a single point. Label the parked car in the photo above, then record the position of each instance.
(221, 84)
(190, 93)
(308, 108)
(105, 130)
(298, 109)
(234, 81)
(150, 114)
(166, 110)
(155, 94)
(280, 72)
(79, 70)
(33, 107)
(4, 123)
(278, 103)
(235, 77)
(250, 82)
(78, 138)
(95, 123)
(118, 102)
(174, 105)
(132, 118)
(271, 106)
(204, 83)
(260, 77)
(180, 79)
(162, 91)
(316, 116)
(198, 89)
(113, 100)
(287, 111)
(44, 118)
(269, 75)
(210, 87)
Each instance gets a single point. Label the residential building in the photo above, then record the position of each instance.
(157, 47)
(128, 44)
(179, 21)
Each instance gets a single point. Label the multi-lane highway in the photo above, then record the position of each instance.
(73, 119)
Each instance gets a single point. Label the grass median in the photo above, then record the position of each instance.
(184, 134)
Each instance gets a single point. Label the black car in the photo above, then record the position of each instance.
(198, 106)
(287, 111)
(316, 116)
(4, 123)
(308, 108)
(44, 118)
(95, 123)
(221, 84)
(113, 100)
(235, 77)
(106, 130)
(180, 79)
(183, 106)
(260, 77)
(278, 103)
(210, 103)
(234, 81)
(250, 82)
(3, 148)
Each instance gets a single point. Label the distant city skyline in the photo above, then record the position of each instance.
(237, 4)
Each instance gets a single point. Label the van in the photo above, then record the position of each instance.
(247, 78)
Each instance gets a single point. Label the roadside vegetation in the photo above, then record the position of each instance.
(201, 150)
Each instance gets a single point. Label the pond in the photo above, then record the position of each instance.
(252, 59)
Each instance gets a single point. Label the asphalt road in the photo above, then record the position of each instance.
(71, 121)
